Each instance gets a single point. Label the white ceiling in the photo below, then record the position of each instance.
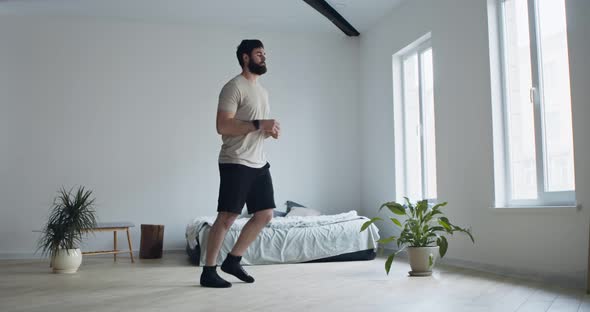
(293, 15)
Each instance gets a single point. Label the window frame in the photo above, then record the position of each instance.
(544, 198)
(418, 49)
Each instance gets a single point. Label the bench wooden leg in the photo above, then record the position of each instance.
(115, 245)
(130, 248)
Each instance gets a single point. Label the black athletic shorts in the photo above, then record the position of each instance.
(241, 184)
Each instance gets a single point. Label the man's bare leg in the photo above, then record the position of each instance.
(217, 233)
(249, 233)
(209, 276)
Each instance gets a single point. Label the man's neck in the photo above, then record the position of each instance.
(250, 76)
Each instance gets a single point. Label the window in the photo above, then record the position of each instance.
(536, 121)
(415, 135)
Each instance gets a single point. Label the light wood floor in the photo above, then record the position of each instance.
(171, 284)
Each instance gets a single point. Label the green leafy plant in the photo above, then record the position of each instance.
(424, 226)
(72, 215)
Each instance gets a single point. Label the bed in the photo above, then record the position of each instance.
(292, 239)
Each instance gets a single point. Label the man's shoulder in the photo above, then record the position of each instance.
(236, 80)
(234, 83)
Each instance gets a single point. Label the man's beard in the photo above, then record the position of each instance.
(256, 69)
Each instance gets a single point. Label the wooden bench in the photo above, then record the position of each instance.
(114, 227)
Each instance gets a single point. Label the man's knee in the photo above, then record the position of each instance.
(226, 219)
(263, 216)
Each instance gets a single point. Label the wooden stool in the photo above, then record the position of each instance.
(114, 227)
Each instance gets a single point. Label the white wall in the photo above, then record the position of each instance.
(545, 244)
(128, 110)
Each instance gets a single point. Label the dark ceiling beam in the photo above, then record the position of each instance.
(326, 10)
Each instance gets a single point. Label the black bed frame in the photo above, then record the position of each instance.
(368, 254)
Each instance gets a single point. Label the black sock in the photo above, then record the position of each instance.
(210, 278)
(232, 266)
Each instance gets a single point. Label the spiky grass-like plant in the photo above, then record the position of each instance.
(71, 216)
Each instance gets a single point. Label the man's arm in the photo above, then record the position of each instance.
(228, 125)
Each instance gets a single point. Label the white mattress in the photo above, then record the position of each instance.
(291, 239)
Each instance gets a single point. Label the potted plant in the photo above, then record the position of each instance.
(71, 216)
(422, 233)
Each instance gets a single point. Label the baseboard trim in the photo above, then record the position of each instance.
(20, 256)
(39, 256)
(574, 280)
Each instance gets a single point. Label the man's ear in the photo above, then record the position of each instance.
(245, 58)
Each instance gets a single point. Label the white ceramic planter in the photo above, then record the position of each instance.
(422, 260)
(66, 261)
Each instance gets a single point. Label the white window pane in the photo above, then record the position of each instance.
(412, 127)
(559, 149)
(520, 116)
(429, 133)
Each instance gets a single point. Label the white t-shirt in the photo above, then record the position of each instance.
(249, 101)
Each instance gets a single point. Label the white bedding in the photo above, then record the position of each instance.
(292, 239)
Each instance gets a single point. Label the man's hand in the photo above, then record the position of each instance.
(275, 135)
(270, 127)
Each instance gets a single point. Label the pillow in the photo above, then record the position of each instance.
(276, 213)
(303, 212)
(291, 204)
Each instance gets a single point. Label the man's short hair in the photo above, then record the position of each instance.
(246, 47)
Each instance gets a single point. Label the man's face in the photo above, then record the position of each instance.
(257, 61)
